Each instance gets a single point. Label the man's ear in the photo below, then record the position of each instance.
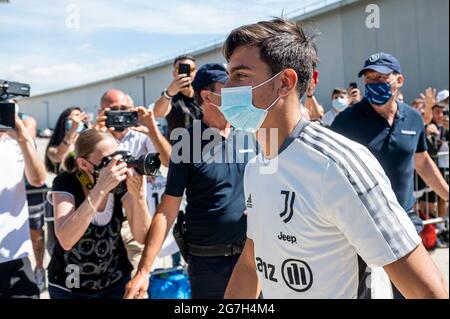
(289, 81)
(205, 96)
(400, 81)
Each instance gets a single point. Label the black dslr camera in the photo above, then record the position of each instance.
(121, 120)
(9, 90)
(147, 165)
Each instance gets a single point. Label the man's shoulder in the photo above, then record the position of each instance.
(411, 113)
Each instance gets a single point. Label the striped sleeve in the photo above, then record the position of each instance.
(358, 199)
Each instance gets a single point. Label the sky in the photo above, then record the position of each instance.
(55, 44)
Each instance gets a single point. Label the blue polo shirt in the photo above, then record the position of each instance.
(394, 146)
(214, 189)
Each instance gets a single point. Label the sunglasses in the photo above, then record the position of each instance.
(191, 69)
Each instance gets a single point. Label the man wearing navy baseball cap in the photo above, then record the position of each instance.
(393, 132)
(215, 221)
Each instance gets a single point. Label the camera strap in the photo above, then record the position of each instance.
(84, 179)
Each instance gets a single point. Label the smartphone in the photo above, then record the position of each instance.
(316, 76)
(121, 120)
(353, 85)
(184, 69)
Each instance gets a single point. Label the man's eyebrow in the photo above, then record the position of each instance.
(240, 67)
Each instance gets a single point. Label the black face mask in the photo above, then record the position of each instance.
(83, 177)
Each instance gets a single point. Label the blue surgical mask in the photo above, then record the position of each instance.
(379, 93)
(340, 104)
(237, 107)
(69, 124)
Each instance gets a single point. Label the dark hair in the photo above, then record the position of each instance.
(198, 97)
(85, 145)
(183, 57)
(283, 44)
(339, 91)
(57, 137)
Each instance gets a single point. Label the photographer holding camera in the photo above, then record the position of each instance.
(177, 103)
(124, 124)
(90, 260)
(19, 156)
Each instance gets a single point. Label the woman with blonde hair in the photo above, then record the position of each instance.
(90, 260)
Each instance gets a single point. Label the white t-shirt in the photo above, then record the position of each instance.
(136, 143)
(155, 191)
(328, 203)
(15, 242)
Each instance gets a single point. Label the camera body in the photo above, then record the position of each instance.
(147, 165)
(7, 115)
(8, 90)
(121, 120)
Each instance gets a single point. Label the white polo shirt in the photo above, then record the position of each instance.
(328, 203)
(136, 143)
(15, 242)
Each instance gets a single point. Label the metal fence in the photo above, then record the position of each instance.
(428, 203)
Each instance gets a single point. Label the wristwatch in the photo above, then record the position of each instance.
(167, 95)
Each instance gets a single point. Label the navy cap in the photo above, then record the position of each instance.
(383, 63)
(208, 74)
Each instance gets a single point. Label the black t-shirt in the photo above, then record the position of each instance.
(184, 111)
(214, 191)
(99, 255)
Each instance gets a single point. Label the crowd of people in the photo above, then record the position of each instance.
(339, 205)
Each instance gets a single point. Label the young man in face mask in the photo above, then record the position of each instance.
(340, 101)
(327, 204)
(393, 132)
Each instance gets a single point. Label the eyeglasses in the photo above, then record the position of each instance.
(191, 69)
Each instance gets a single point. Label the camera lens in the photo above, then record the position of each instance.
(147, 164)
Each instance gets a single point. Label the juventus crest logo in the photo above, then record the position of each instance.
(288, 211)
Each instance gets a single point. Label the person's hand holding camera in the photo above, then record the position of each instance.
(135, 184)
(100, 124)
(182, 81)
(20, 134)
(355, 95)
(147, 122)
(112, 175)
